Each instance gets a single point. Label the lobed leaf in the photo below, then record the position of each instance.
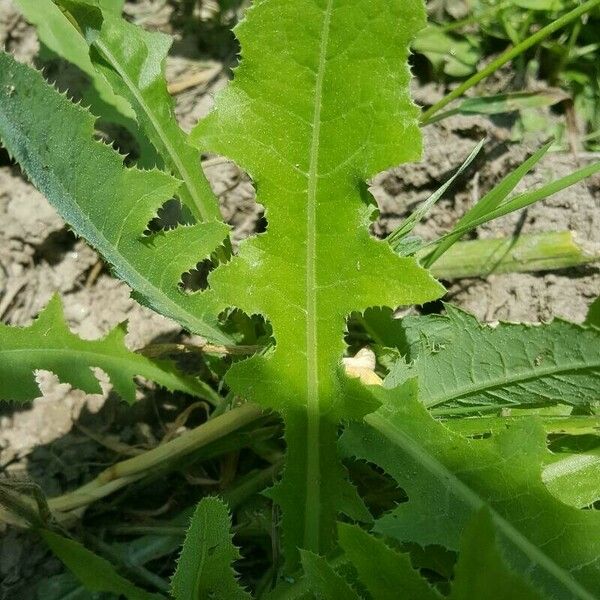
(381, 569)
(204, 568)
(506, 365)
(311, 120)
(48, 344)
(448, 479)
(384, 573)
(132, 61)
(323, 581)
(103, 201)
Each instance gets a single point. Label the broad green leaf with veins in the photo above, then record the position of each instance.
(506, 365)
(318, 105)
(103, 201)
(449, 478)
(48, 344)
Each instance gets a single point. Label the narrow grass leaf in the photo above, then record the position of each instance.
(396, 238)
(486, 206)
(93, 571)
(502, 103)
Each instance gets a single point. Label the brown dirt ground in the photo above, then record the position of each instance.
(39, 257)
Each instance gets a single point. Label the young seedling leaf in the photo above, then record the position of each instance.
(448, 479)
(502, 366)
(49, 344)
(204, 569)
(487, 205)
(503, 103)
(133, 63)
(93, 571)
(398, 236)
(311, 119)
(103, 201)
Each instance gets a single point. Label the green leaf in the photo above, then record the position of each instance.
(482, 211)
(323, 581)
(311, 120)
(448, 479)
(505, 365)
(497, 205)
(204, 568)
(381, 569)
(593, 316)
(94, 572)
(481, 570)
(133, 63)
(575, 479)
(48, 344)
(103, 201)
(61, 36)
(454, 54)
(397, 238)
(503, 103)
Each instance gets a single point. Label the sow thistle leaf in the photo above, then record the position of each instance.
(481, 571)
(132, 61)
(93, 571)
(103, 201)
(49, 344)
(318, 105)
(461, 363)
(448, 479)
(204, 569)
(61, 36)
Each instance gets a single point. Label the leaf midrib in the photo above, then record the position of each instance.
(179, 165)
(384, 425)
(313, 483)
(499, 382)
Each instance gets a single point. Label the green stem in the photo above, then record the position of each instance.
(508, 55)
(524, 253)
(573, 425)
(121, 474)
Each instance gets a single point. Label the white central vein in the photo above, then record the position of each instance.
(313, 483)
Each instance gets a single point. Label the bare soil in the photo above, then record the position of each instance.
(39, 256)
